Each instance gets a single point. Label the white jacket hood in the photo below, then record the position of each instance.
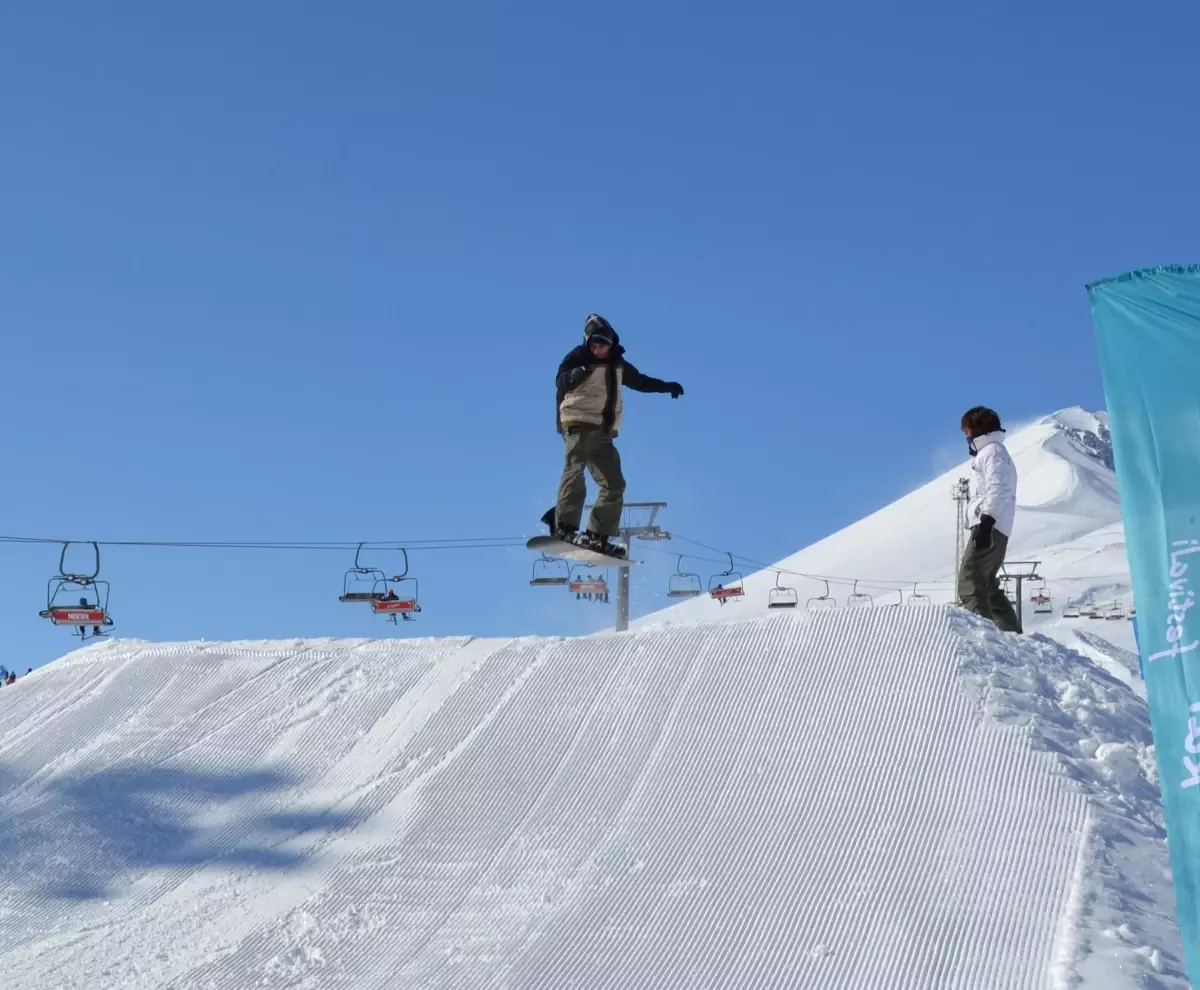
(996, 484)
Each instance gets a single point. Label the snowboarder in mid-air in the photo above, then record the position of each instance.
(589, 385)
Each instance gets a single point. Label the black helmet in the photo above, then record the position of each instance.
(598, 329)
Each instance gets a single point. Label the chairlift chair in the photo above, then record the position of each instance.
(588, 587)
(550, 572)
(1115, 611)
(1041, 598)
(68, 599)
(858, 600)
(917, 599)
(822, 601)
(400, 600)
(400, 595)
(782, 596)
(726, 586)
(1071, 610)
(684, 584)
(1088, 610)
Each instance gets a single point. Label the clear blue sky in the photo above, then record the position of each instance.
(304, 271)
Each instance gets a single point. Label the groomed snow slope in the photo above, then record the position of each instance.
(878, 798)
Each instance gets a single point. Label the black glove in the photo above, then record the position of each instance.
(983, 532)
(577, 375)
(675, 389)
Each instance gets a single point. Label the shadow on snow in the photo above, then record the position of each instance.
(84, 837)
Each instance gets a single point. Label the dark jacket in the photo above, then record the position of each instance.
(580, 362)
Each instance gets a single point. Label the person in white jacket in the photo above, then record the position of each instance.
(991, 512)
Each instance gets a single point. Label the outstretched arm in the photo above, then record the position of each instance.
(644, 383)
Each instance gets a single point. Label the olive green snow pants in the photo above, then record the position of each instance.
(979, 589)
(592, 448)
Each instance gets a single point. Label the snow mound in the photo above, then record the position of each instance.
(1101, 738)
(853, 799)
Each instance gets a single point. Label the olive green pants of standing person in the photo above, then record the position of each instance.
(591, 448)
(979, 588)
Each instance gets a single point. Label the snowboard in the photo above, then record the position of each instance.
(569, 551)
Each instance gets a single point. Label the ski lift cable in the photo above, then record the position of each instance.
(882, 583)
(879, 583)
(510, 542)
(280, 544)
(836, 579)
(450, 543)
(464, 543)
(831, 579)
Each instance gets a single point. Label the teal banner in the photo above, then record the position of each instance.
(1148, 332)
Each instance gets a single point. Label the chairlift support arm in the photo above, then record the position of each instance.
(81, 579)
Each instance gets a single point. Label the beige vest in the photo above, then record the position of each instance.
(584, 404)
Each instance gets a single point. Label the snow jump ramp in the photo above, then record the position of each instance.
(896, 798)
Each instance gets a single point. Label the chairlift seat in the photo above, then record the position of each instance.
(858, 599)
(782, 598)
(78, 616)
(589, 587)
(361, 596)
(684, 584)
(386, 606)
(727, 585)
(548, 582)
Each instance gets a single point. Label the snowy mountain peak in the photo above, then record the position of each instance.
(1089, 432)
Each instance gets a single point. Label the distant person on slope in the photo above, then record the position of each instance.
(991, 513)
(589, 417)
